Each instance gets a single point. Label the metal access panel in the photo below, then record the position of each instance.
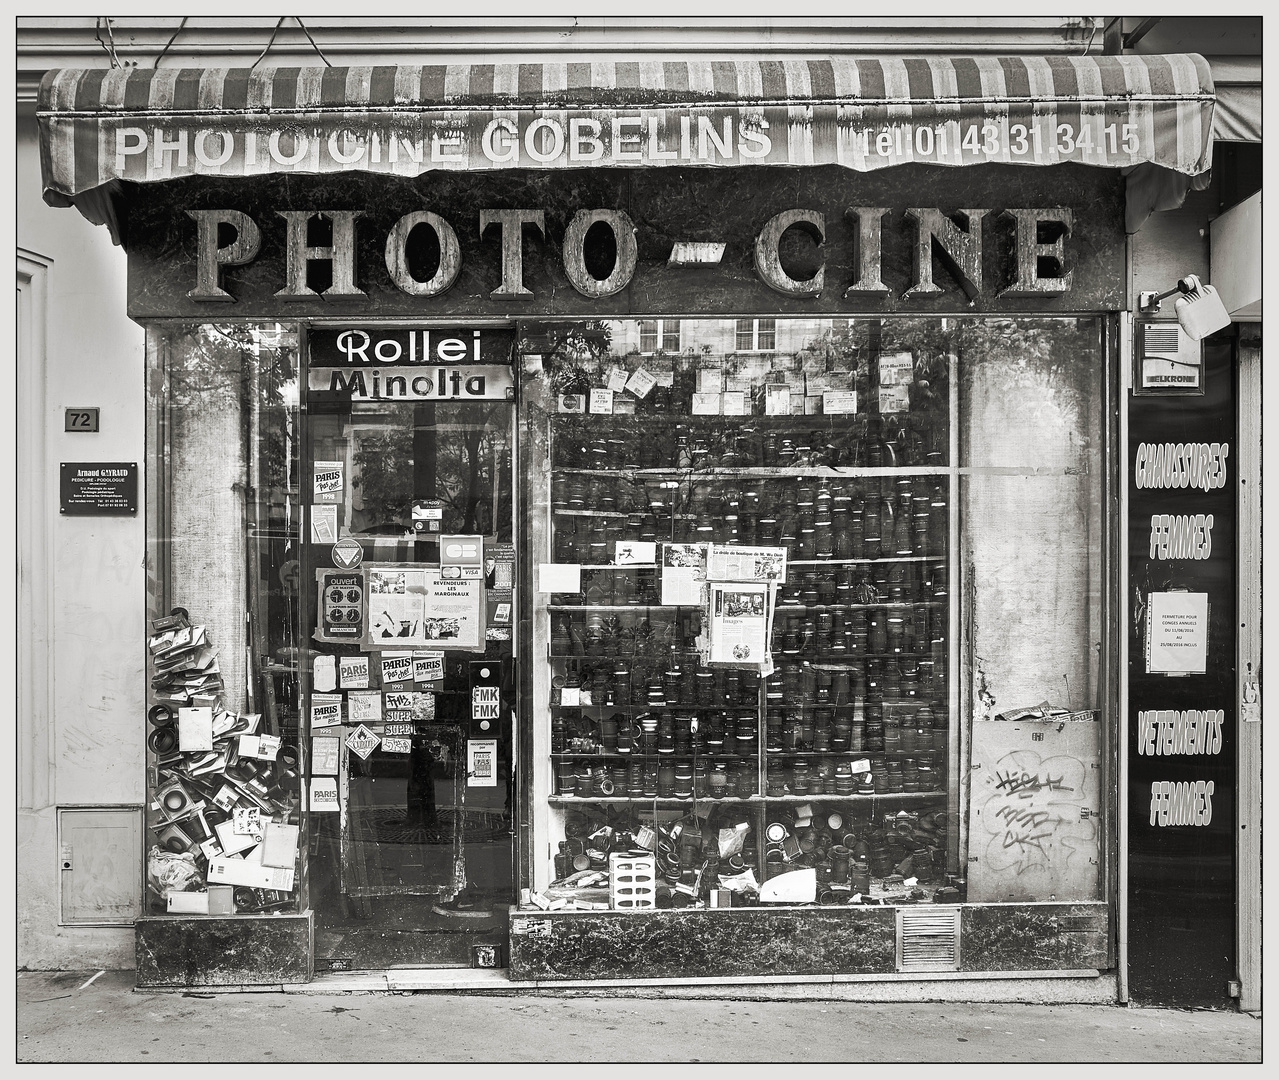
(1035, 820)
(99, 865)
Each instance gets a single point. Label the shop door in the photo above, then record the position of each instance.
(412, 687)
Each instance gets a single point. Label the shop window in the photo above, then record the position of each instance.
(223, 527)
(818, 624)
(658, 335)
(756, 335)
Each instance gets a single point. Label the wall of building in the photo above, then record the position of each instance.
(79, 734)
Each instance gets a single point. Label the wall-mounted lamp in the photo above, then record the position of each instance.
(1199, 309)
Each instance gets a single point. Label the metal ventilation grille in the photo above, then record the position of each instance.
(928, 939)
(1161, 337)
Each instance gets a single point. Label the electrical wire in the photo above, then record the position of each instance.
(109, 49)
(171, 40)
(276, 31)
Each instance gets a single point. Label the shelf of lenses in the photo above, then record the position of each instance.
(636, 717)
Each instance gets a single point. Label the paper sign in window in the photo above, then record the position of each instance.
(1177, 633)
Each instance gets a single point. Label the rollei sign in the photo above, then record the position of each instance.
(1038, 240)
(372, 363)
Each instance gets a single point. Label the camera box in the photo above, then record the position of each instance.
(221, 900)
(188, 903)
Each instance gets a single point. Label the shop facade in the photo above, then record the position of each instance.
(664, 527)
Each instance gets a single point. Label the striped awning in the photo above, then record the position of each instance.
(103, 125)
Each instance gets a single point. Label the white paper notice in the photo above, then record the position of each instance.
(1177, 633)
(634, 552)
(454, 612)
(353, 672)
(640, 383)
(777, 400)
(397, 667)
(683, 573)
(324, 674)
(896, 372)
(734, 403)
(739, 623)
(326, 710)
(364, 707)
(481, 763)
(706, 404)
(746, 564)
(325, 750)
(616, 379)
(428, 666)
(195, 729)
(395, 605)
(324, 794)
(559, 577)
(838, 402)
(602, 402)
(328, 478)
(324, 523)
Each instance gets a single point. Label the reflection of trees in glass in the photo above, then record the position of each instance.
(227, 395)
(574, 356)
(1046, 368)
(244, 367)
(471, 442)
(384, 474)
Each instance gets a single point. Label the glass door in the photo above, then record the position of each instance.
(411, 696)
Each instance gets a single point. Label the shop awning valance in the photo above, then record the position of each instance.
(104, 125)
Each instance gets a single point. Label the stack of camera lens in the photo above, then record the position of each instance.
(194, 792)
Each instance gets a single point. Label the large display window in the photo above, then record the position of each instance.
(224, 754)
(781, 580)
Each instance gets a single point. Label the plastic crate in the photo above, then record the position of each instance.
(632, 882)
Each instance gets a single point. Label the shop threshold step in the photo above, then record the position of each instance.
(439, 978)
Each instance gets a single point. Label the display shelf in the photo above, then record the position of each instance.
(828, 663)
(655, 758)
(896, 796)
(758, 472)
(853, 754)
(815, 563)
(618, 608)
(649, 800)
(780, 609)
(605, 469)
(865, 559)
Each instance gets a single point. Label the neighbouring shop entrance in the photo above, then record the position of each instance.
(411, 463)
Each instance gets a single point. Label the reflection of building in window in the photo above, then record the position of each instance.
(657, 334)
(756, 335)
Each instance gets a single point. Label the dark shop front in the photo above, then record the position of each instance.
(662, 531)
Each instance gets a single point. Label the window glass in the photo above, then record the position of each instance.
(223, 644)
(819, 723)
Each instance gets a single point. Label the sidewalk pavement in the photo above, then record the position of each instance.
(61, 1019)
